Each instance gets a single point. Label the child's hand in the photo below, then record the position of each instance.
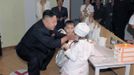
(65, 46)
(91, 41)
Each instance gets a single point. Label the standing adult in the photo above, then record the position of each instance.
(108, 14)
(99, 11)
(38, 45)
(42, 5)
(120, 17)
(62, 14)
(86, 10)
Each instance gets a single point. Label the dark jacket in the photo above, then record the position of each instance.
(39, 41)
(59, 14)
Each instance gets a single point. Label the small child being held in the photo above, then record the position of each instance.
(78, 53)
(68, 29)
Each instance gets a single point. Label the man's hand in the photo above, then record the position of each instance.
(71, 36)
(68, 37)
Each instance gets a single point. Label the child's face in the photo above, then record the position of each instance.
(69, 28)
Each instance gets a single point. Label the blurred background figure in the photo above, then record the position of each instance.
(99, 11)
(129, 30)
(108, 9)
(121, 14)
(86, 10)
(61, 13)
(41, 6)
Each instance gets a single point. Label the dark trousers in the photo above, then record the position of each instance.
(33, 61)
(37, 60)
(33, 65)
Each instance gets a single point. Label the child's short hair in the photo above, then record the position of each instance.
(69, 22)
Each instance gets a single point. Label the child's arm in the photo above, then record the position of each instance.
(60, 58)
(70, 52)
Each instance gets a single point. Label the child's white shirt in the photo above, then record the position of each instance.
(78, 55)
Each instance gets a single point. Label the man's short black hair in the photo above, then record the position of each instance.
(48, 13)
(69, 22)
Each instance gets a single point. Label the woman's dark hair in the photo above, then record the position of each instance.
(48, 13)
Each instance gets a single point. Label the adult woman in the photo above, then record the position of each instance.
(41, 6)
(61, 12)
(86, 10)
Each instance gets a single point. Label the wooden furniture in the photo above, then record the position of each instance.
(104, 59)
(120, 71)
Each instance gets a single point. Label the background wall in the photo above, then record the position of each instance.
(11, 21)
(16, 17)
(30, 10)
(75, 8)
(30, 13)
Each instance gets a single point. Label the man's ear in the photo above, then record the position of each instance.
(43, 20)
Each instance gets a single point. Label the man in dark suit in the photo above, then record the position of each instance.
(38, 45)
(61, 13)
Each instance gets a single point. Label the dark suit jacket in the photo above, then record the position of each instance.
(59, 14)
(40, 42)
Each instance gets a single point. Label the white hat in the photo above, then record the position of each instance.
(131, 20)
(81, 29)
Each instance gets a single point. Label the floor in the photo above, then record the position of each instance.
(10, 62)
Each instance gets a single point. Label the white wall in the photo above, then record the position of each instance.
(16, 16)
(75, 8)
(30, 13)
(30, 10)
(67, 5)
(11, 21)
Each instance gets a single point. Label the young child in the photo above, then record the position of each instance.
(68, 29)
(78, 53)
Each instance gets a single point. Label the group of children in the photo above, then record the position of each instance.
(75, 53)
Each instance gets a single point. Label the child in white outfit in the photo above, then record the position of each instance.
(68, 29)
(78, 53)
